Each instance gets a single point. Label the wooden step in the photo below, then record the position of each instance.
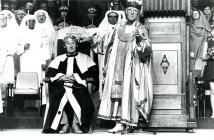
(205, 123)
(21, 122)
(168, 121)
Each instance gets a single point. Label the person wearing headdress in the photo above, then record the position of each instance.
(11, 19)
(30, 45)
(8, 47)
(67, 75)
(46, 30)
(29, 8)
(92, 20)
(106, 35)
(63, 20)
(19, 15)
(13, 26)
(128, 87)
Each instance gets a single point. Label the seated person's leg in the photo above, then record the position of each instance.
(64, 124)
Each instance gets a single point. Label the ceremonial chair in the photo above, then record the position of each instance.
(28, 87)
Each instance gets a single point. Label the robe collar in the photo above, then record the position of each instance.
(72, 55)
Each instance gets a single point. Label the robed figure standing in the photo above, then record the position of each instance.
(128, 87)
(8, 47)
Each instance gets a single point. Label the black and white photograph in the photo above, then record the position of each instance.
(103, 69)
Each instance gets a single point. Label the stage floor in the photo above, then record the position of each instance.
(102, 134)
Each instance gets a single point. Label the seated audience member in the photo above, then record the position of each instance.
(6, 6)
(208, 75)
(68, 90)
(208, 14)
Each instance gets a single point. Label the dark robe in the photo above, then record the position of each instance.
(84, 67)
(84, 48)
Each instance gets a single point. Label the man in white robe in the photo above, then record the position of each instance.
(128, 88)
(105, 37)
(7, 49)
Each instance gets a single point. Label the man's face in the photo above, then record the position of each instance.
(31, 23)
(41, 17)
(63, 13)
(3, 21)
(20, 15)
(70, 46)
(112, 19)
(207, 11)
(132, 13)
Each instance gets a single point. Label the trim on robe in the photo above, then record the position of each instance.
(58, 115)
(56, 77)
(68, 96)
(79, 80)
(75, 105)
(55, 63)
(82, 59)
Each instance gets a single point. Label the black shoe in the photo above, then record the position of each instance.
(49, 131)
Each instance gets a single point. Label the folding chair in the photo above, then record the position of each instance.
(28, 87)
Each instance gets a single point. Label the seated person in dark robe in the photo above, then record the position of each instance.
(85, 48)
(68, 92)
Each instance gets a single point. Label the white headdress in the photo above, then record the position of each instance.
(105, 26)
(48, 25)
(11, 20)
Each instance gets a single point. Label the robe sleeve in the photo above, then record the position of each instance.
(144, 47)
(52, 72)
